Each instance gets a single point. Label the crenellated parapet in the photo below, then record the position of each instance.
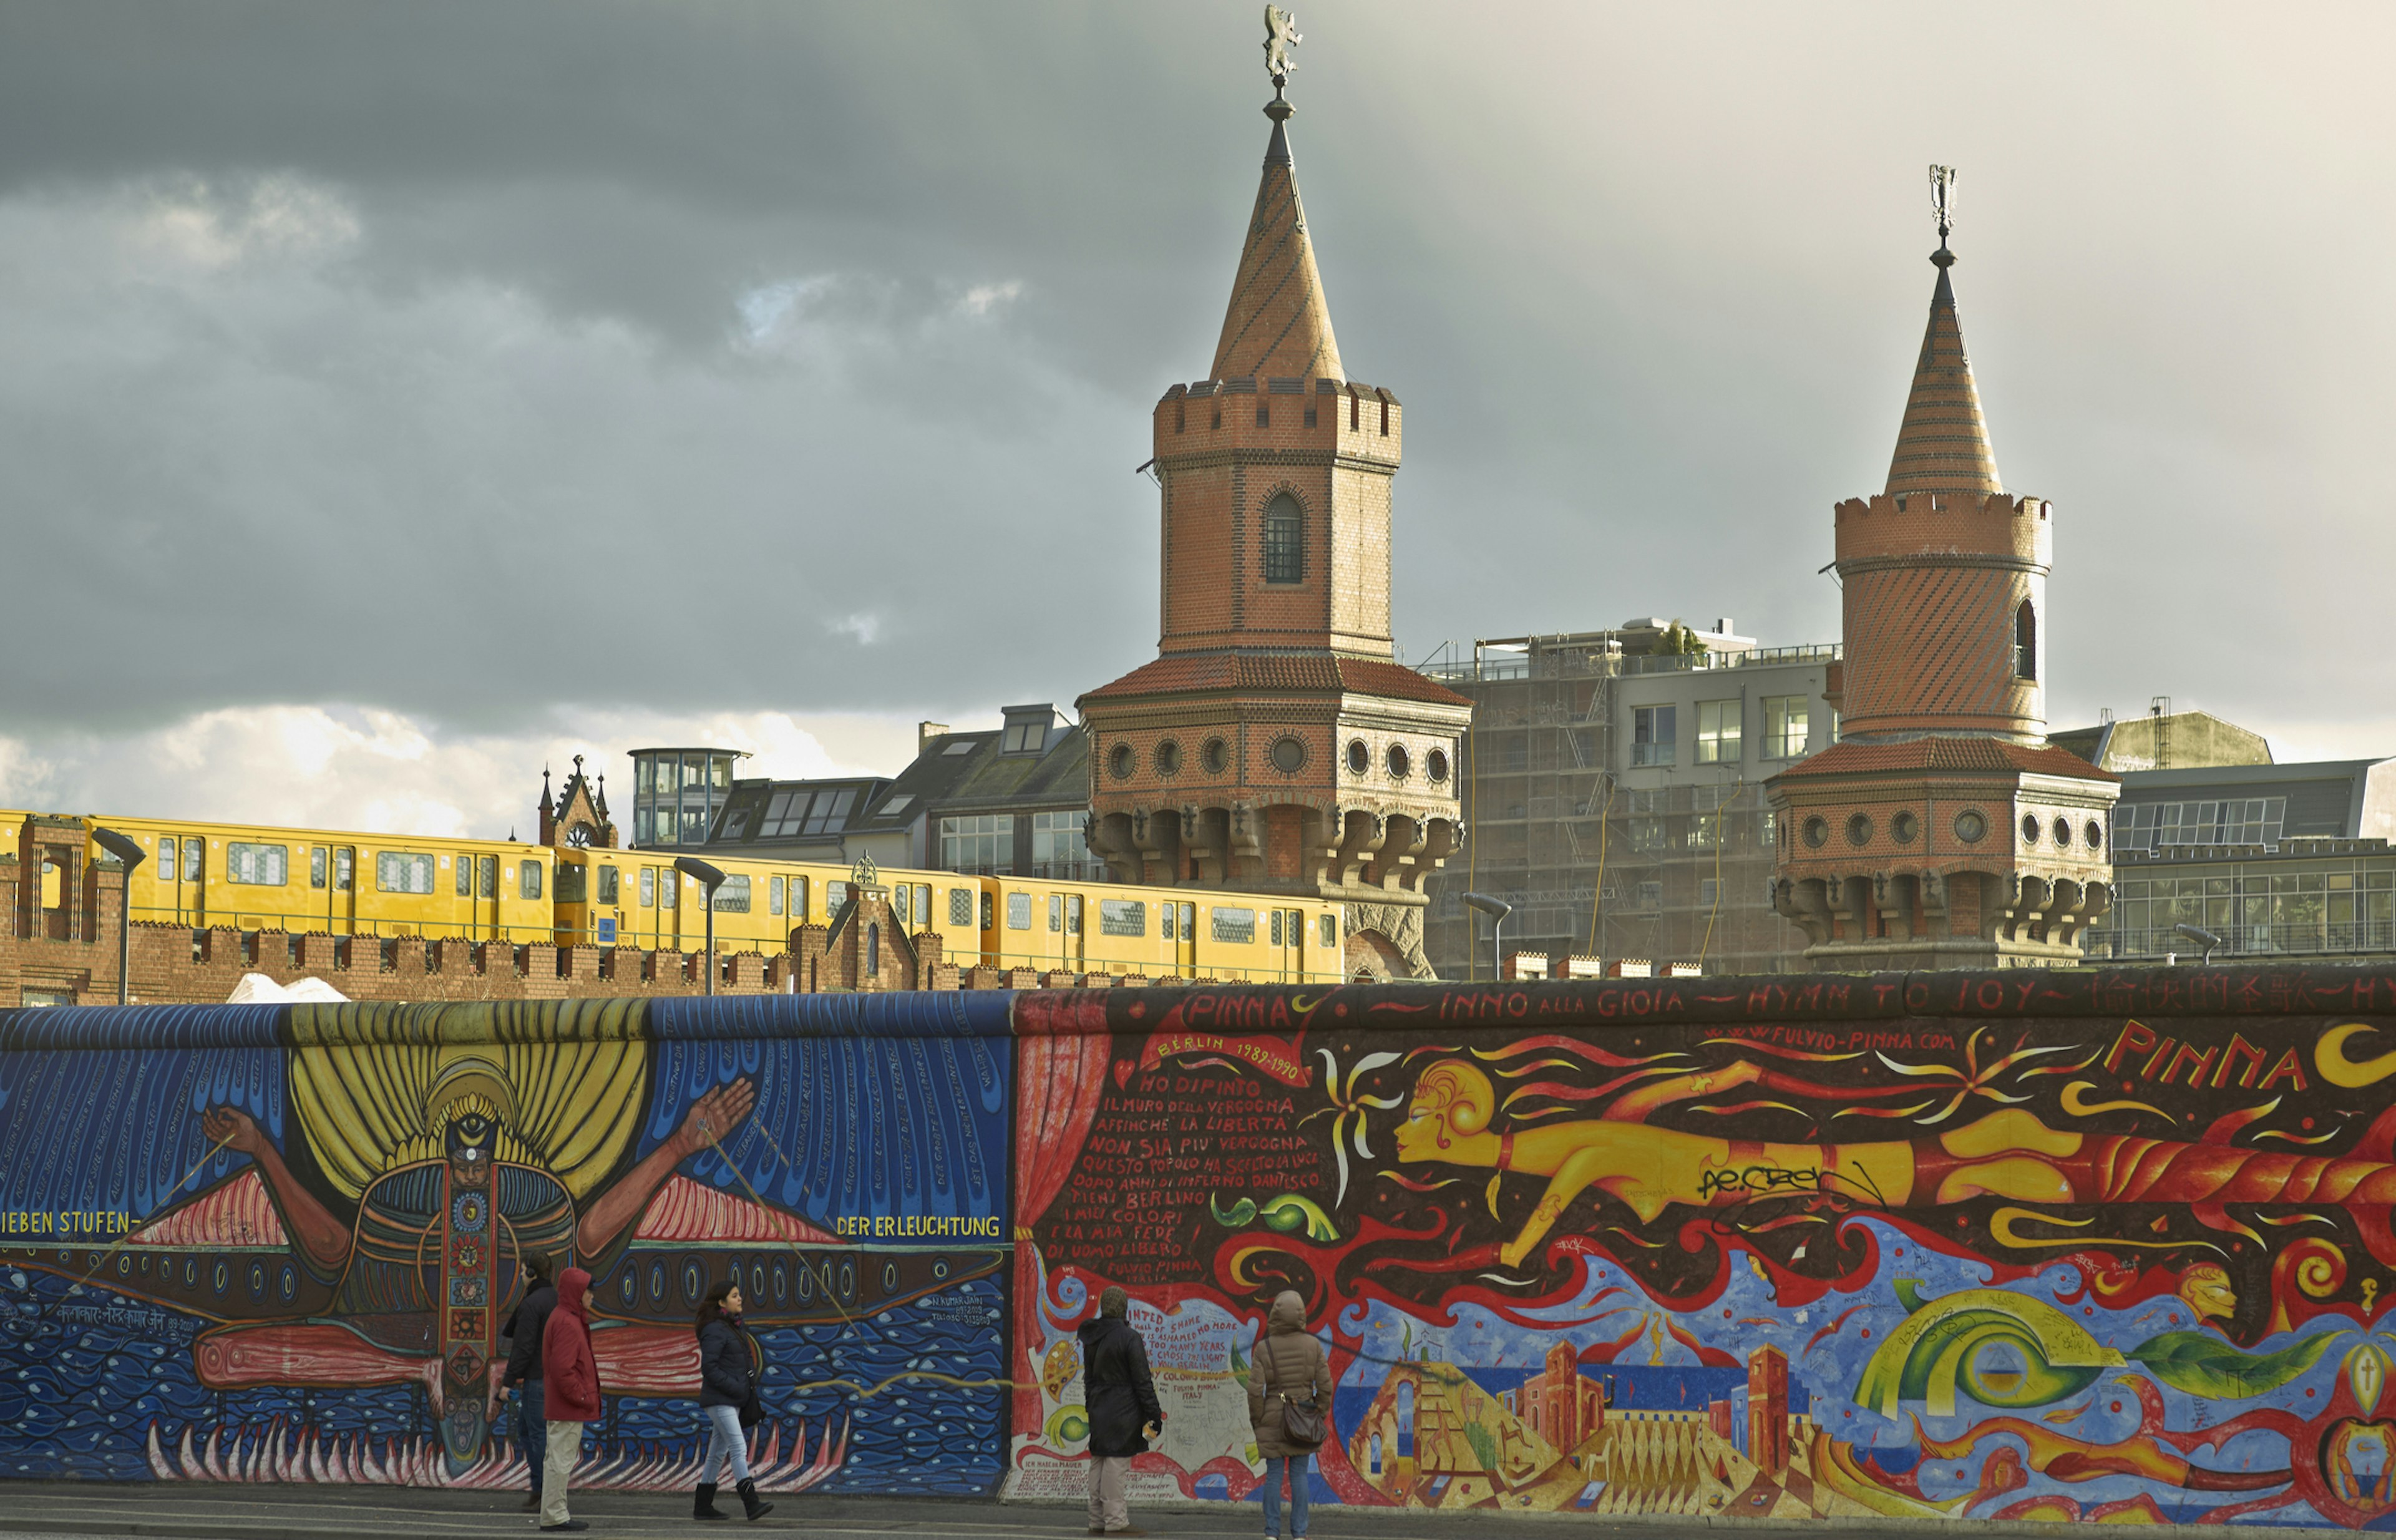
(1938, 527)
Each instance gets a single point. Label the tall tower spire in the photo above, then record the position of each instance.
(1277, 323)
(1943, 444)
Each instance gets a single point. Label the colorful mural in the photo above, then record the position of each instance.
(282, 1243)
(2030, 1247)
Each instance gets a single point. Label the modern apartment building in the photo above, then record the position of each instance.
(1613, 795)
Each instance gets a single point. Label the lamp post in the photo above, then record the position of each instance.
(132, 856)
(709, 878)
(1497, 908)
(2203, 937)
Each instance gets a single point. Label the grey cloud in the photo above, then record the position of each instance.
(1649, 282)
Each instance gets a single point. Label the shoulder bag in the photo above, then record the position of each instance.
(1301, 1421)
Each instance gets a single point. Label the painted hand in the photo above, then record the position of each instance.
(715, 1115)
(233, 1128)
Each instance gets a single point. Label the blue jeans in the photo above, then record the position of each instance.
(1297, 1468)
(730, 1445)
(532, 1429)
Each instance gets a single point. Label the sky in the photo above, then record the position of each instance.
(394, 399)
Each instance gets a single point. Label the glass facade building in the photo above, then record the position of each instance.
(676, 793)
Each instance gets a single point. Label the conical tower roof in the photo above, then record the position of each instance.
(1944, 444)
(1278, 323)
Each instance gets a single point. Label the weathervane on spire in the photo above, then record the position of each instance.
(1942, 199)
(1280, 35)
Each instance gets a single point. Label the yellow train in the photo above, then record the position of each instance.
(257, 877)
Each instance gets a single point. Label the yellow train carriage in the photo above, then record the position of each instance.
(1099, 927)
(636, 899)
(263, 877)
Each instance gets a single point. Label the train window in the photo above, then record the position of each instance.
(669, 889)
(1189, 921)
(1056, 914)
(610, 884)
(264, 865)
(191, 860)
(1330, 930)
(1237, 926)
(835, 895)
(989, 910)
(774, 896)
(487, 872)
(345, 869)
(902, 902)
(465, 877)
(1018, 912)
(924, 904)
(573, 883)
(648, 887)
(1276, 927)
(403, 872)
(1126, 917)
(732, 895)
(1072, 914)
(316, 869)
(799, 898)
(1168, 920)
(528, 880)
(961, 906)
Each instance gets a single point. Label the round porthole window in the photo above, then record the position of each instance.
(1859, 829)
(1288, 755)
(1399, 763)
(2029, 829)
(1971, 828)
(2063, 832)
(2095, 832)
(1903, 828)
(1818, 832)
(1435, 765)
(1120, 761)
(1360, 759)
(1168, 757)
(1216, 756)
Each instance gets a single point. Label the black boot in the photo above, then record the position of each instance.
(703, 1506)
(750, 1500)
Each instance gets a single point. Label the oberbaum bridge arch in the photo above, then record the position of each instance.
(2011, 1245)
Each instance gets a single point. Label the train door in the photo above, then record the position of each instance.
(668, 908)
(1185, 947)
(182, 861)
(341, 907)
(1288, 941)
(1076, 950)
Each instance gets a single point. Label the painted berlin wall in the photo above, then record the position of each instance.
(2109, 1247)
(244, 1244)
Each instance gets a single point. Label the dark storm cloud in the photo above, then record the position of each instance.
(460, 360)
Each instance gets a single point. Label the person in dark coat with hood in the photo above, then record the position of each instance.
(1287, 1366)
(728, 1382)
(524, 1376)
(573, 1392)
(1123, 1408)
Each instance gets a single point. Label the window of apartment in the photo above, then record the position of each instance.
(263, 865)
(1784, 726)
(1123, 917)
(403, 872)
(732, 895)
(1655, 734)
(1767, 827)
(1647, 895)
(2150, 826)
(1709, 890)
(1057, 844)
(982, 842)
(1024, 735)
(1718, 725)
(644, 825)
(1284, 538)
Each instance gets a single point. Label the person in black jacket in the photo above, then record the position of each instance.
(727, 1383)
(524, 1367)
(1123, 1409)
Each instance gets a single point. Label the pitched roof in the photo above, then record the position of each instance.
(1278, 322)
(1943, 444)
(1179, 673)
(1948, 753)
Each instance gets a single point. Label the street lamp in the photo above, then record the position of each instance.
(1497, 908)
(710, 878)
(132, 856)
(2202, 938)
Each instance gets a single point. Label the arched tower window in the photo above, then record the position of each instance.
(874, 949)
(1284, 541)
(2025, 642)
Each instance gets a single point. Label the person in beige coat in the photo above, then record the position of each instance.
(1288, 1363)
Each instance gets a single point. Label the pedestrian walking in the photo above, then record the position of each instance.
(727, 1393)
(572, 1392)
(1123, 1408)
(1289, 1384)
(523, 1377)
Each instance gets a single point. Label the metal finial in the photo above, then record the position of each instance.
(1942, 199)
(1280, 35)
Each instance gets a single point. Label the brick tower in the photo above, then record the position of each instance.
(1275, 745)
(1942, 831)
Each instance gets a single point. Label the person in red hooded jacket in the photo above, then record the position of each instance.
(573, 1390)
